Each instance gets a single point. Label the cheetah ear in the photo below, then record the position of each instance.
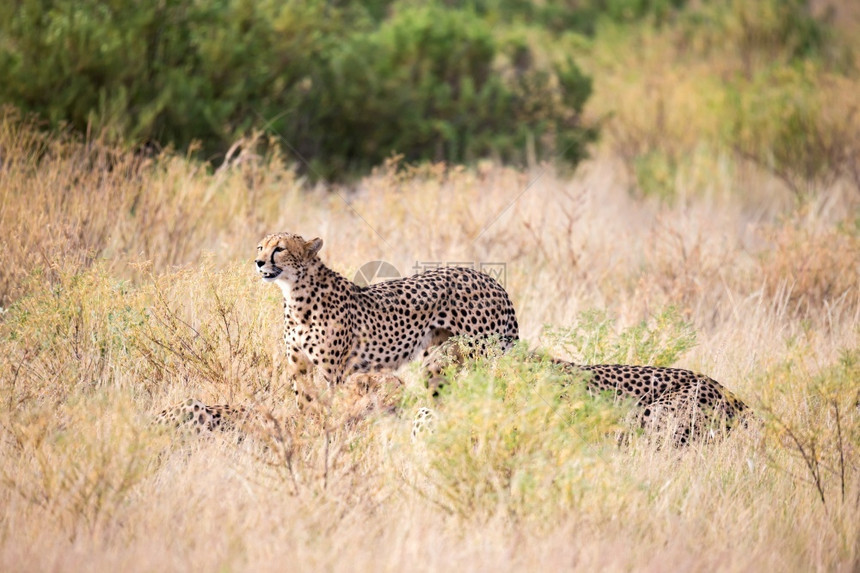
(313, 246)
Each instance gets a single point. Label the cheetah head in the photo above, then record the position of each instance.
(284, 257)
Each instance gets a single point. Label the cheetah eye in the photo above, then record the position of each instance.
(259, 247)
(277, 250)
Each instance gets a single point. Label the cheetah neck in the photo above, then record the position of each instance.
(287, 289)
(316, 278)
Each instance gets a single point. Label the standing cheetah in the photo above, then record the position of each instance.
(334, 328)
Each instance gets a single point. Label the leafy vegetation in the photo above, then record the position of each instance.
(340, 87)
(659, 341)
(513, 433)
(762, 83)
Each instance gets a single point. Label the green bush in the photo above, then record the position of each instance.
(786, 121)
(171, 71)
(581, 16)
(513, 434)
(595, 339)
(435, 83)
(342, 86)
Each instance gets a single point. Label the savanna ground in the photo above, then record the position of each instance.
(127, 285)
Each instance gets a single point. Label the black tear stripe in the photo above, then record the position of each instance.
(274, 252)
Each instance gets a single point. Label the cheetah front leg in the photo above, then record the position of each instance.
(318, 369)
(298, 368)
(441, 351)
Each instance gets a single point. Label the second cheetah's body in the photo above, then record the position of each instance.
(197, 416)
(680, 404)
(692, 404)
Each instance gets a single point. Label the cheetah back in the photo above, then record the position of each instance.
(397, 321)
(649, 384)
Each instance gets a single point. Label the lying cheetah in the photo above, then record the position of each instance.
(362, 395)
(195, 416)
(684, 404)
(678, 404)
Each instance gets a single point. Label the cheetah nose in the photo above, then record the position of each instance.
(260, 263)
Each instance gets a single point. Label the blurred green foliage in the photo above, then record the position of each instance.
(730, 82)
(580, 16)
(343, 85)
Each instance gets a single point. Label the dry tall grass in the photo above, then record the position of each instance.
(127, 286)
(691, 238)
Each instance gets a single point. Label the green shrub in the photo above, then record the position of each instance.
(798, 123)
(171, 71)
(512, 437)
(581, 16)
(765, 81)
(775, 29)
(341, 89)
(594, 340)
(435, 83)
